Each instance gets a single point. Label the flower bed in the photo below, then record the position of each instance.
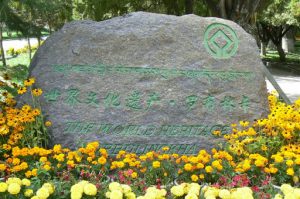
(255, 156)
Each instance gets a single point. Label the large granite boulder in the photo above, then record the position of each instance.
(143, 81)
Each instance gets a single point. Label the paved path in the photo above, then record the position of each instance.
(287, 80)
(19, 43)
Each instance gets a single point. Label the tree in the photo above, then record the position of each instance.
(103, 9)
(12, 21)
(240, 11)
(35, 15)
(277, 20)
(263, 37)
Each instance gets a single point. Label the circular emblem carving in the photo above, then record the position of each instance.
(220, 41)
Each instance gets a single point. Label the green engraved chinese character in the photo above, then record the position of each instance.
(52, 95)
(172, 102)
(153, 97)
(92, 99)
(134, 101)
(72, 98)
(209, 103)
(245, 103)
(191, 101)
(228, 103)
(112, 100)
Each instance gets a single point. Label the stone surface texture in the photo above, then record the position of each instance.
(89, 95)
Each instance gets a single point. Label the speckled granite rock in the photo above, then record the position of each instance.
(144, 80)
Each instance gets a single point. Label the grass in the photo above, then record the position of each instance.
(290, 57)
(17, 67)
(14, 35)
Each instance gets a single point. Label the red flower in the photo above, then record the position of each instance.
(255, 188)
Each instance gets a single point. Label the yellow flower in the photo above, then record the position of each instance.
(14, 188)
(22, 90)
(156, 164)
(116, 194)
(26, 108)
(28, 174)
(14, 180)
(194, 178)
(244, 123)
(134, 175)
(49, 187)
(120, 164)
(102, 160)
(201, 176)
(48, 123)
(278, 158)
(278, 196)
(43, 159)
(76, 195)
(188, 167)
(224, 194)
(264, 148)
(217, 164)
(289, 163)
(166, 148)
(244, 192)
(216, 133)
(34, 172)
(286, 188)
(3, 187)
(114, 186)
(209, 169)
(4, 129)
(200, 166)
(192, 196)
(295, 179)
(90, 189)
(89, 159)
(290, 171)
(177, 190)
(36, 112)
(47, 167)
(26, 182)
(28, 192)
(37, 92)
(126, 188)
(29, 82)
(130, 195)
(42, 193)
(78, 188)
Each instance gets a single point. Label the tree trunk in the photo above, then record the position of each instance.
(263, 48)
(281, 53)
(212, 7)
(288, 41)
(29, 48)
(50, 28)
(223, 12)
(189, 6)
(1, 47)
(39, 41)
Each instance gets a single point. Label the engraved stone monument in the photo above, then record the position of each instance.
(143, 81)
